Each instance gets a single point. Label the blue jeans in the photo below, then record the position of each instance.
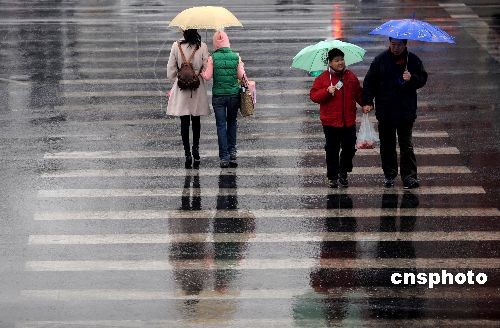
(226, 112)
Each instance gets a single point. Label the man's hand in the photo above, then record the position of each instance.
(406, 75)
(367, 108)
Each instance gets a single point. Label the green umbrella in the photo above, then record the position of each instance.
(315, 57)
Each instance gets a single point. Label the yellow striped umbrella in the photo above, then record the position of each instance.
(205, 17)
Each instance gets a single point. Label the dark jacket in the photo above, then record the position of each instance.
(395, 100)
(338, 110)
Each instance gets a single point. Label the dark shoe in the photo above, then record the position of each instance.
(189, 162)
(233, 164)
(410, 183)
(389, 182)
(224, 164)
(332, 183)
(344, 183)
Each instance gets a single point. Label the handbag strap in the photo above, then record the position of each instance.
(244, 80)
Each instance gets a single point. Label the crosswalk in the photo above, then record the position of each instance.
(249, 323)
(123, 236)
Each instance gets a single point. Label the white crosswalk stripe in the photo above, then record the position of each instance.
(124, 294)
(241, 153)
(290, 213)
(302, 171)
(257, 238)
(210, 136)
(278, 191)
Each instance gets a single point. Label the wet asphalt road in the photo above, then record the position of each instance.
(102, 227)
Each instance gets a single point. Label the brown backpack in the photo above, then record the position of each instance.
(187, 79)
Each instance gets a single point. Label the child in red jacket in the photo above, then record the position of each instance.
(337, 90)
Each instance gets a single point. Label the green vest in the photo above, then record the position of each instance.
(225, 72)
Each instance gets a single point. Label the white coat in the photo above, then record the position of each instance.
(180, 101)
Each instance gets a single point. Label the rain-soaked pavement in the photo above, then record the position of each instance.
(102, 227)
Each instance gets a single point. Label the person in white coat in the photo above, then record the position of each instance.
(189, 105)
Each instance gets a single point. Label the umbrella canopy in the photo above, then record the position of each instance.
(315, 57)
(205, 17)
(413, 29)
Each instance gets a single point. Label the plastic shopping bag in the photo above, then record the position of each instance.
(367, 137)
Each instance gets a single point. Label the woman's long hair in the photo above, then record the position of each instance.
(192, 37)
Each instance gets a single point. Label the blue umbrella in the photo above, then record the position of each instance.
(413, 29)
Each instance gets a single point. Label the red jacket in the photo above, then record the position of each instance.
(338, 110)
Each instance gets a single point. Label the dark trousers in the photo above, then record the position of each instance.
(408, 162)
(185, 132)
(341, 140)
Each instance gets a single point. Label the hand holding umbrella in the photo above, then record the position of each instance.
(406, 75)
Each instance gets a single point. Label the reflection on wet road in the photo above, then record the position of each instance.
(102, 227)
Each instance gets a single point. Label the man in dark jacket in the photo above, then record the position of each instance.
(392, 80)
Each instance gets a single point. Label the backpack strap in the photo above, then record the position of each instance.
(182, 52)
(192, 54)
(183, 56)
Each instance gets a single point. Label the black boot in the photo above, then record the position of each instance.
(196, 157)
(189, 160)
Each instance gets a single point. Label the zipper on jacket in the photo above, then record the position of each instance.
(343, 102)
(343, 94)
(341, 79)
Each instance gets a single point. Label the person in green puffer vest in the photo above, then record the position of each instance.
(226, 67)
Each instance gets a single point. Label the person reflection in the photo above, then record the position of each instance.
(190, 281)
(388, 223)
(317, 307)
(403, 307)
(229, 253)
(191, 200)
